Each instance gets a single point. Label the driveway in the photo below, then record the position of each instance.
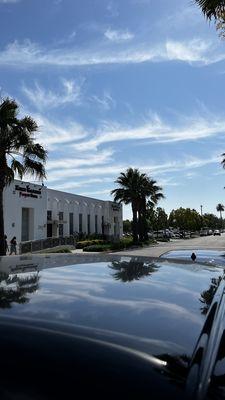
(201, 243)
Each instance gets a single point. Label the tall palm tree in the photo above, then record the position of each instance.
(135, 188)
(151, 191)
(129, 193)
(220, 209)
(19, 154)
(211, 8)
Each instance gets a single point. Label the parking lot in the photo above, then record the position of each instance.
(203, 242)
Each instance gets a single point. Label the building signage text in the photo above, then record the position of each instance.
(115, 207)
(26, 191)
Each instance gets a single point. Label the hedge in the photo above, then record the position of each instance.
(98, 247)
(86, 243)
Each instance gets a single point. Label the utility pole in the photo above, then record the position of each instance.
(201, 211)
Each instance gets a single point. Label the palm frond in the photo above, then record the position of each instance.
(35, 168)
(17, 167)
(211, 8)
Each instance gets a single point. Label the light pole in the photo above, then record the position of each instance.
(201, 211)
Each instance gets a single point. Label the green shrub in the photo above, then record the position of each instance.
(86, 243)
(97, 247)
(122, 244)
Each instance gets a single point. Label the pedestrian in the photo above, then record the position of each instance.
(13, 245)
(6, 244)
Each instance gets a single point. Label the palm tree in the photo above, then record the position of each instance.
(129, 193)
(214, 9)
(220, 209)
(18, 152)
(153, 192)
(135, 188)
(211, 8)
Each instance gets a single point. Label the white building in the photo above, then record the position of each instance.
(34, 212)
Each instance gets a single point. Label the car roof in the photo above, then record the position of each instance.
(151, 310)
(134, 297)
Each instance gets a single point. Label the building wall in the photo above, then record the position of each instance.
(15, 199)
(70, 203)
(39, 199)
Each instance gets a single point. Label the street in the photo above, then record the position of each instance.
(204, 242)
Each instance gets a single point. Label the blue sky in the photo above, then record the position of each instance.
(116, 84)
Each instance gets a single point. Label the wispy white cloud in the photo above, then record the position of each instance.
(188, 163)
(44, 98)
(197, 52)
(90, 159)
(118, 36)
(105, 102)
(52, 133)
(156, 130)
(70, 185)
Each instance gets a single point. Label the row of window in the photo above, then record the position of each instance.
(71, 223)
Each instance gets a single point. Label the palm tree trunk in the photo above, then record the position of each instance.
(142, 225)
(135, 224)
(2, 241)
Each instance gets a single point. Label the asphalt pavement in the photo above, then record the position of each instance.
(200, 243)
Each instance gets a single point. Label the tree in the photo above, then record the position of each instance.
(129, 193)
(220, 209)
(153, 192)
(185, 219)
(127, 226)
(134, 188)
(161, 218)
(210, 221)
(211, 8)
(19, 154)
(214, 9)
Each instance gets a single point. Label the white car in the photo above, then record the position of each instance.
(216, 232)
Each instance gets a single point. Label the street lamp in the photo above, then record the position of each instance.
(201, 211)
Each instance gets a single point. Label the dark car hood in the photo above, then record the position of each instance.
(151, 303)
(153, 310)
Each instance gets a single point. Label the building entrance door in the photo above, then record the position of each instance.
(25, 224)
(49, 230)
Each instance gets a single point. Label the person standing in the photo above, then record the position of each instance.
(6, 244)
(13, 245)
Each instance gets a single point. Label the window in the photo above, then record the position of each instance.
(49, 223)
(60, 230)
(103, 225)
(80, 223)
(49, 215)
(96, 224)
(88, 224)
(71, 223)
(61, 216)
(115, 226)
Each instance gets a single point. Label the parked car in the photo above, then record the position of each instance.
(111, 326)
(203, 232)
(216, 232)
(150, 235)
